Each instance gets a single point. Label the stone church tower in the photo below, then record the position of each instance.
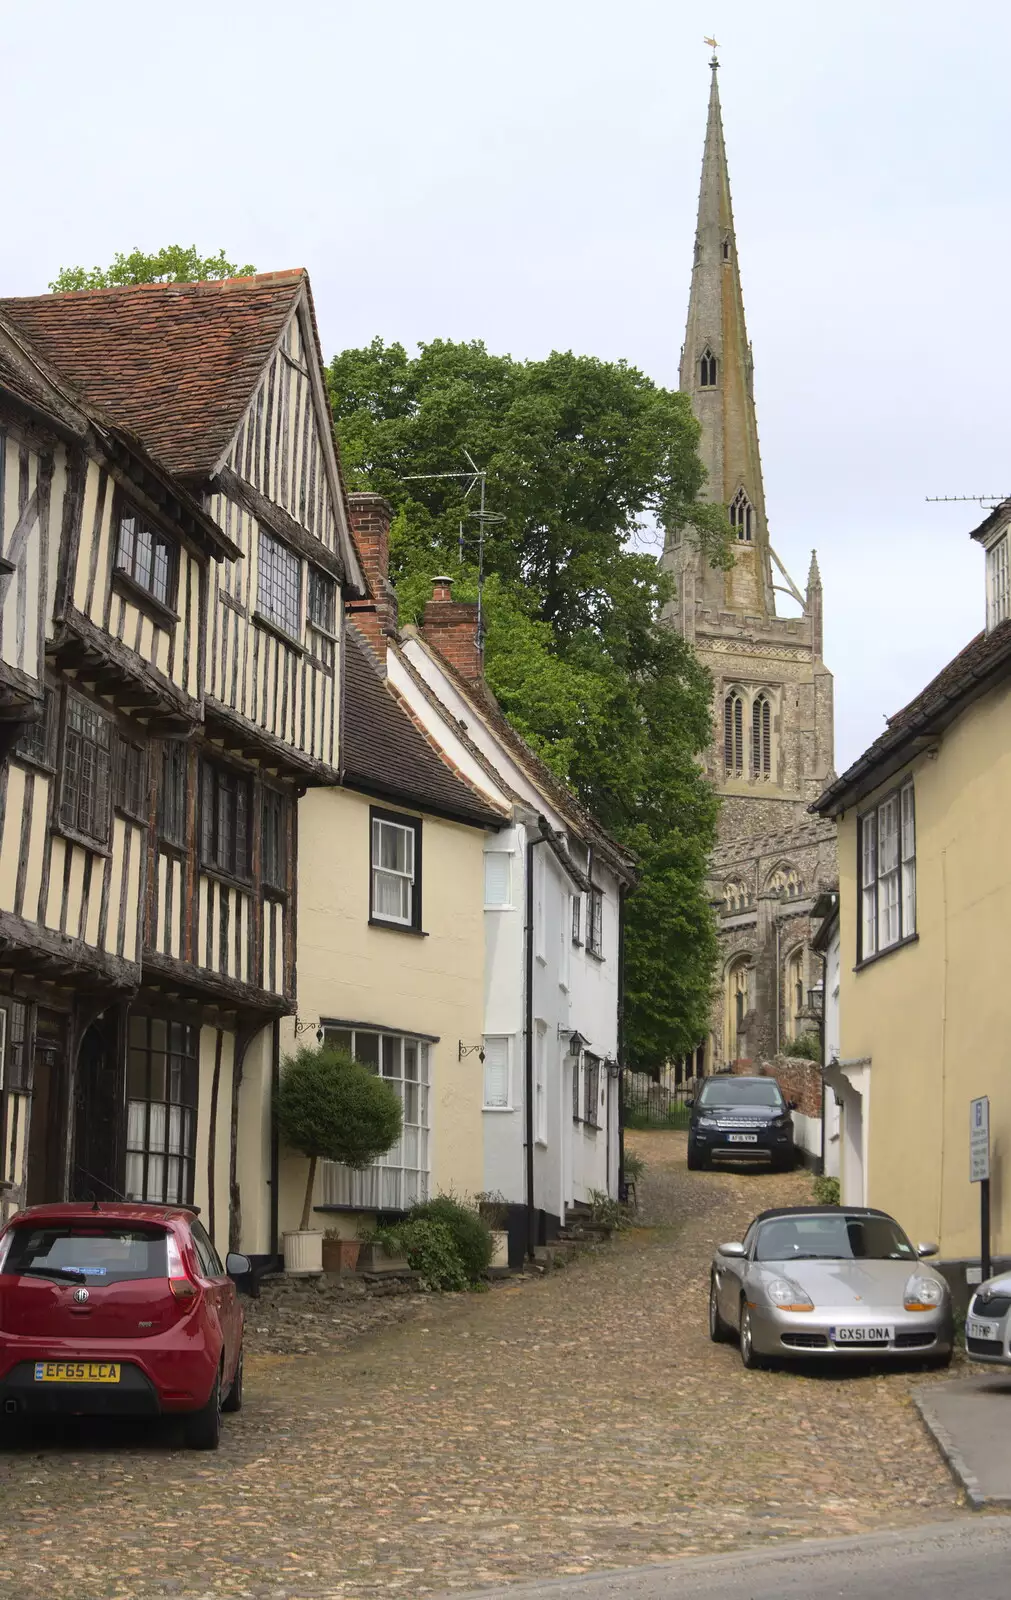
(772, 751)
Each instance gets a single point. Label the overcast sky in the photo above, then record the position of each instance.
(527, 173)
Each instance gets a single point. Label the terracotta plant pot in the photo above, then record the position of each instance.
(332, 1255)
(349, 1250)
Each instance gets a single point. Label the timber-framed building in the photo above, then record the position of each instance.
(772, 751)
(174, 555)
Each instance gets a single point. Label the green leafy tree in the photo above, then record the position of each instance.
(581, 456)
(175, 263)
(333, 1108)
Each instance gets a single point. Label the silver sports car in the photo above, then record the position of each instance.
(812, 1281)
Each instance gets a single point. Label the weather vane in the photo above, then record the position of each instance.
(712, 45)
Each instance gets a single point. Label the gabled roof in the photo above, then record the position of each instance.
(985, 661)
(174, 363)
(581, 821)
(385, 753)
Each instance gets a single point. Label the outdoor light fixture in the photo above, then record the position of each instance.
(469, 1050)
(304, 1027)
(575, 1038)
(613, 1068)
(816, 998)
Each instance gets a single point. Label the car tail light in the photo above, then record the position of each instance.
(180, 1282)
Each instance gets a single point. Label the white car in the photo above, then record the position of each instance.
(988, 1323)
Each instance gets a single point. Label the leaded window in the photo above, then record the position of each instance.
(37, 741)
(84, 789)
(130, 777)
(147, 557)
(741, 516)
(322, 601)
(400, 1178)
(887, 860)
(225, 808)
(172, 792)
(395, 869)
(274, 839)
(162, 1076)
(595, 922)
(591, 1089)
(279, 587)
(733, 734)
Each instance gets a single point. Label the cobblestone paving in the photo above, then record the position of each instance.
(559, 1424)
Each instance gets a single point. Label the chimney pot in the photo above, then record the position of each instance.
(451, 626)
(371, 515)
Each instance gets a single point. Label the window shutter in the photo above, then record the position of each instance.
(496, 1072)
(497, 877)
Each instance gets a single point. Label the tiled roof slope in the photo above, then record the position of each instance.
(175, 363)
(985, 660)
(386, 754)
(537, 770)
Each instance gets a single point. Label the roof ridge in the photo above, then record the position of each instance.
(282, 274)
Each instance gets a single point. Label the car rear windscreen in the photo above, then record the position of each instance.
(97, 1252)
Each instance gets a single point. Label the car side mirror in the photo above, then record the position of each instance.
(791, 1105)
(736, 1251)
(237, 1266)
(926, 1250)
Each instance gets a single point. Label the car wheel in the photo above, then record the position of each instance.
(718, 1330)
(202, 1428)
(748, 1356)
(233, 1399)
(696, 1160)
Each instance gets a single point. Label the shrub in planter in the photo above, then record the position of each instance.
(470, 1233)
(331, 1107)
(431, 1252)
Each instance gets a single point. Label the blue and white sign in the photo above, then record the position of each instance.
(979, 1139)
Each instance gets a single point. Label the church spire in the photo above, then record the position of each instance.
(716, 372)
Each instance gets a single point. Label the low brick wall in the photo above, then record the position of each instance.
(800, 1080)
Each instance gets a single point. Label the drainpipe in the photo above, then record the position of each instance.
(778, 933)
(528, 1032)
(821, 1035)
(275, 1079)
(622, 891)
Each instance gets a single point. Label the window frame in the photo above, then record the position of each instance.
(123, 748)
(595, 923)
(508, 903)
(410, 823)
(274, 862)
(175, 783)
(733, 734)
(272, 556)
(998, 582)
(320, 584)
(140, 590)
(900, 800)
(487, 1103)
(44, 750)
(362, 1189)
(95, 837)
(215, 776)
(741, 514)
(540, 1082)
(186, 1102)
(591, 1089)
(761, 736)
(577, 919)
(709, 369)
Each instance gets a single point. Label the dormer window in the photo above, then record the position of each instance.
(707, 370)
(741, 516)
(998, 599)
(146, 556)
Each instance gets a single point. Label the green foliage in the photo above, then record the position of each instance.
(606, 1212)
(470, 1233)
(826, 1191)
(581, 455)
(431, 1251)
(174, 263)
(806, 1048)
(634, 1165)
(331, 1107)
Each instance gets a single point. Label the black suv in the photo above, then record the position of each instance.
(740, 1117)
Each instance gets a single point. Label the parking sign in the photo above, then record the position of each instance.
(979, 1140)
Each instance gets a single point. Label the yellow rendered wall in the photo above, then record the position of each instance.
(935, 1016)
(398, 980)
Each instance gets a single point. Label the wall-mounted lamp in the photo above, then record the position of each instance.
(469, 1050)
(575, 1038)
(306, 1027)
(613, 1069)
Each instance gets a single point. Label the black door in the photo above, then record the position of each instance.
(48, 1126)
(97, 1099)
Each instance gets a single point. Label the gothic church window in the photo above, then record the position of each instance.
(707, 370)
(735, 896)
(736, 1006)
(795, 994)
(740, 516)
(785, 880)
(761, 737)
(733, 734)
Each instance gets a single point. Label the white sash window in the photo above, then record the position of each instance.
(887, 860)
(395, 869)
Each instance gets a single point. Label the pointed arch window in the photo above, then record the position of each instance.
(741, 516)
(726, 249)
(733, 734)
(761, 736)
(707, 370)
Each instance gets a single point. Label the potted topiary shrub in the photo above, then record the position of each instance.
(330, 1107)
(493, 1208)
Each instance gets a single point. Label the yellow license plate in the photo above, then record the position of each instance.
(77, 1372)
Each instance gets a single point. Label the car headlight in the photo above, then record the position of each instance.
(923, 1294)
(708, 1122)
(787, 1296)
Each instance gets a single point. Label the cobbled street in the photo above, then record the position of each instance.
(557, 1425)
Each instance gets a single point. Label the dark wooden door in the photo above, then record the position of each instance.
(47, 1130)
(95, 1171)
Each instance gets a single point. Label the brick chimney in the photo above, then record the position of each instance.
(451, 626)
(370, 529)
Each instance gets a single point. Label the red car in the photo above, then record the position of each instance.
(119, 1310)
